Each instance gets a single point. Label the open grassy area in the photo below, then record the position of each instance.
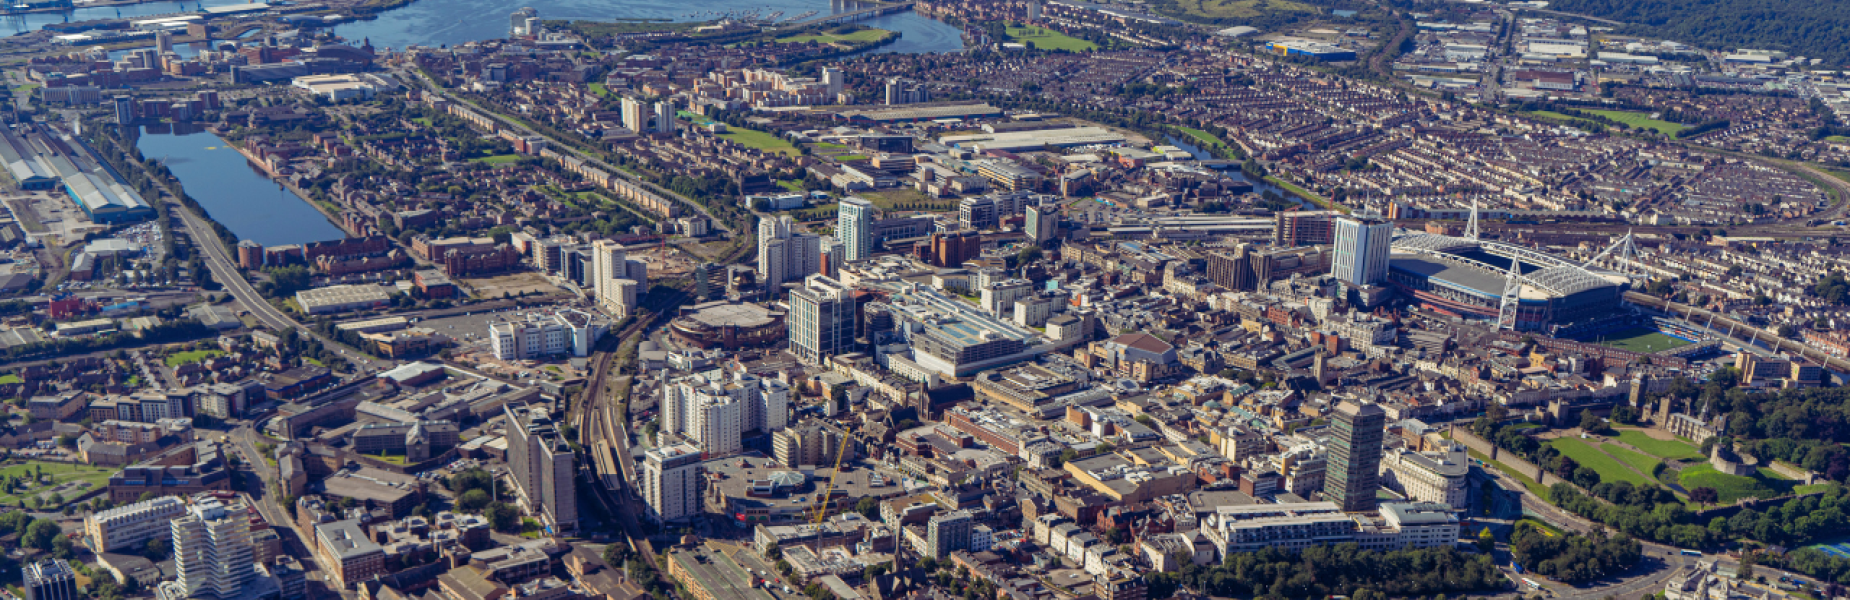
(1644, 463)
(1242, 9)
(1588, 456)
(1729, 488)
(65, 479)
(752, 138)
(1201, 138)
(599, 89)
(1048, 39)
(1326, 203)
(794, 186)
(496, 159)
(1639, 339)
(1641, 121)
(186, 358)
(864, 35)
(397, 459)
(10, 378)
(1664, 449)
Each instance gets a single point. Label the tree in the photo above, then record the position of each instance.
(502, 517)
(473, 501)
(1592, 423)
(156, 550)
(1486, 541)
(1704, 495)
(868, 507)
(40, 534)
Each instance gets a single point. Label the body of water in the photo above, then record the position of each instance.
(233, 191)
(33, 21)
(454, 22)
(1259, 187)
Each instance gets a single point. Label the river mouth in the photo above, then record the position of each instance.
(231, 190)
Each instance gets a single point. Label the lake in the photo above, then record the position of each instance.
(232, 191)
(454, 22)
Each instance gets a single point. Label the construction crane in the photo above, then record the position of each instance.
(822, 500)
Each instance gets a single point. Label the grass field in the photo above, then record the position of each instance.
(752, 138)
(60, 473)
(1644, 463)
(10, 378)
(599, 89)
(1641, 121)
(1588, 456)
(185, 358)
(1729, 488)
(1048, 39)
(497, 159)
(1306, 194)
(1639, 339)
(1241, 8)
(1837, 138)
(1202, 138)
(864, 35)
(397, 459)
(1664, 449)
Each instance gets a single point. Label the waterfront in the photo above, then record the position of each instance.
(232, 191)
(455, 22)
(22, 23)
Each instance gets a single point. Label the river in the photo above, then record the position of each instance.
(33, 21)
(232, 191)
(454, 22)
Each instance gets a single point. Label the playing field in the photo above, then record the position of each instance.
(1641, 121)
(1643, 463)
(1588, 456)
(1639, 339)
(69, 481)
(752, 138)
(864, 35)
(1048, 39)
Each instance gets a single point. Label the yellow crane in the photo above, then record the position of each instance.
(822, 500)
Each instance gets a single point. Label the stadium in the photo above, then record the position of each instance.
(1467, 278)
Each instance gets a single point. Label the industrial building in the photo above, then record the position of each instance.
(1033, 140)
(40, 158)
(341, 298)
(1309, 48)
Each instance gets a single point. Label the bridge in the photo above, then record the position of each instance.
(856, 15)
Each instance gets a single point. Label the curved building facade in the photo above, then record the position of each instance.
(1467, 278)
(729, 325)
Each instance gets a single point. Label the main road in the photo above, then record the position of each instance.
(1655, 566)
(244, 440)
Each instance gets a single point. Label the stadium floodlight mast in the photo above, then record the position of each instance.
(1471, 231)
(1512, 292)
(1625, 257)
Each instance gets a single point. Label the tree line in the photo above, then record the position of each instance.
(1573, 558)
(1343, 569)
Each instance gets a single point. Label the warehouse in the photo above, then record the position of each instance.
(923, 113)
(342, 298)
(24, 164)
(1313, 49)
(1034, 140)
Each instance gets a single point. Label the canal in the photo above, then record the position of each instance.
(233, 191)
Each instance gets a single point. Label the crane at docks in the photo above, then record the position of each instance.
(822, 500)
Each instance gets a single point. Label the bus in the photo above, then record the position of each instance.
(1531, 583)
(1692, 553)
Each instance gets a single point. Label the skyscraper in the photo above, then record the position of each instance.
(1354, 471)
(785, 256)
(832, 77)
(125, 110)
(542, 465)
(714, 409)
(1362, 250)
(671, 482)
(163, 42)
(821, 319)
(1043, 220)
(49, 580)
(855, 228)
(212, 549)
(612, 270)
(638, 116)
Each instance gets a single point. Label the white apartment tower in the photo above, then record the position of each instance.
(785, 256)
(128, 527)
(855, 228)
(714, 409)
(821, 321)
(832, 77)
(617, 279)
(212, 549)
(671, 482)
(523, 340)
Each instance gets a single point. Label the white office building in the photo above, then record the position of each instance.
(1362, 250)
(526, 340)
(821, 319)
(671, 482)
(126, 528)
(212, 549)
(1428, 476)
(855, 228)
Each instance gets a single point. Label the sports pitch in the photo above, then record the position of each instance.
(1639, 339)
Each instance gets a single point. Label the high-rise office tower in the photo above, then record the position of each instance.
(212, 549)
(821, 319)
(785, 256)
(671, 482)
(1043, 221)
(1354, 471)
(49, 580)
(542, 465)
(855, 229)
(1294, 228)
(1362, 250)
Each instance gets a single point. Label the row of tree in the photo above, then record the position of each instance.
(1344, 569)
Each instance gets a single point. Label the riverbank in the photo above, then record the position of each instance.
(327, 210)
